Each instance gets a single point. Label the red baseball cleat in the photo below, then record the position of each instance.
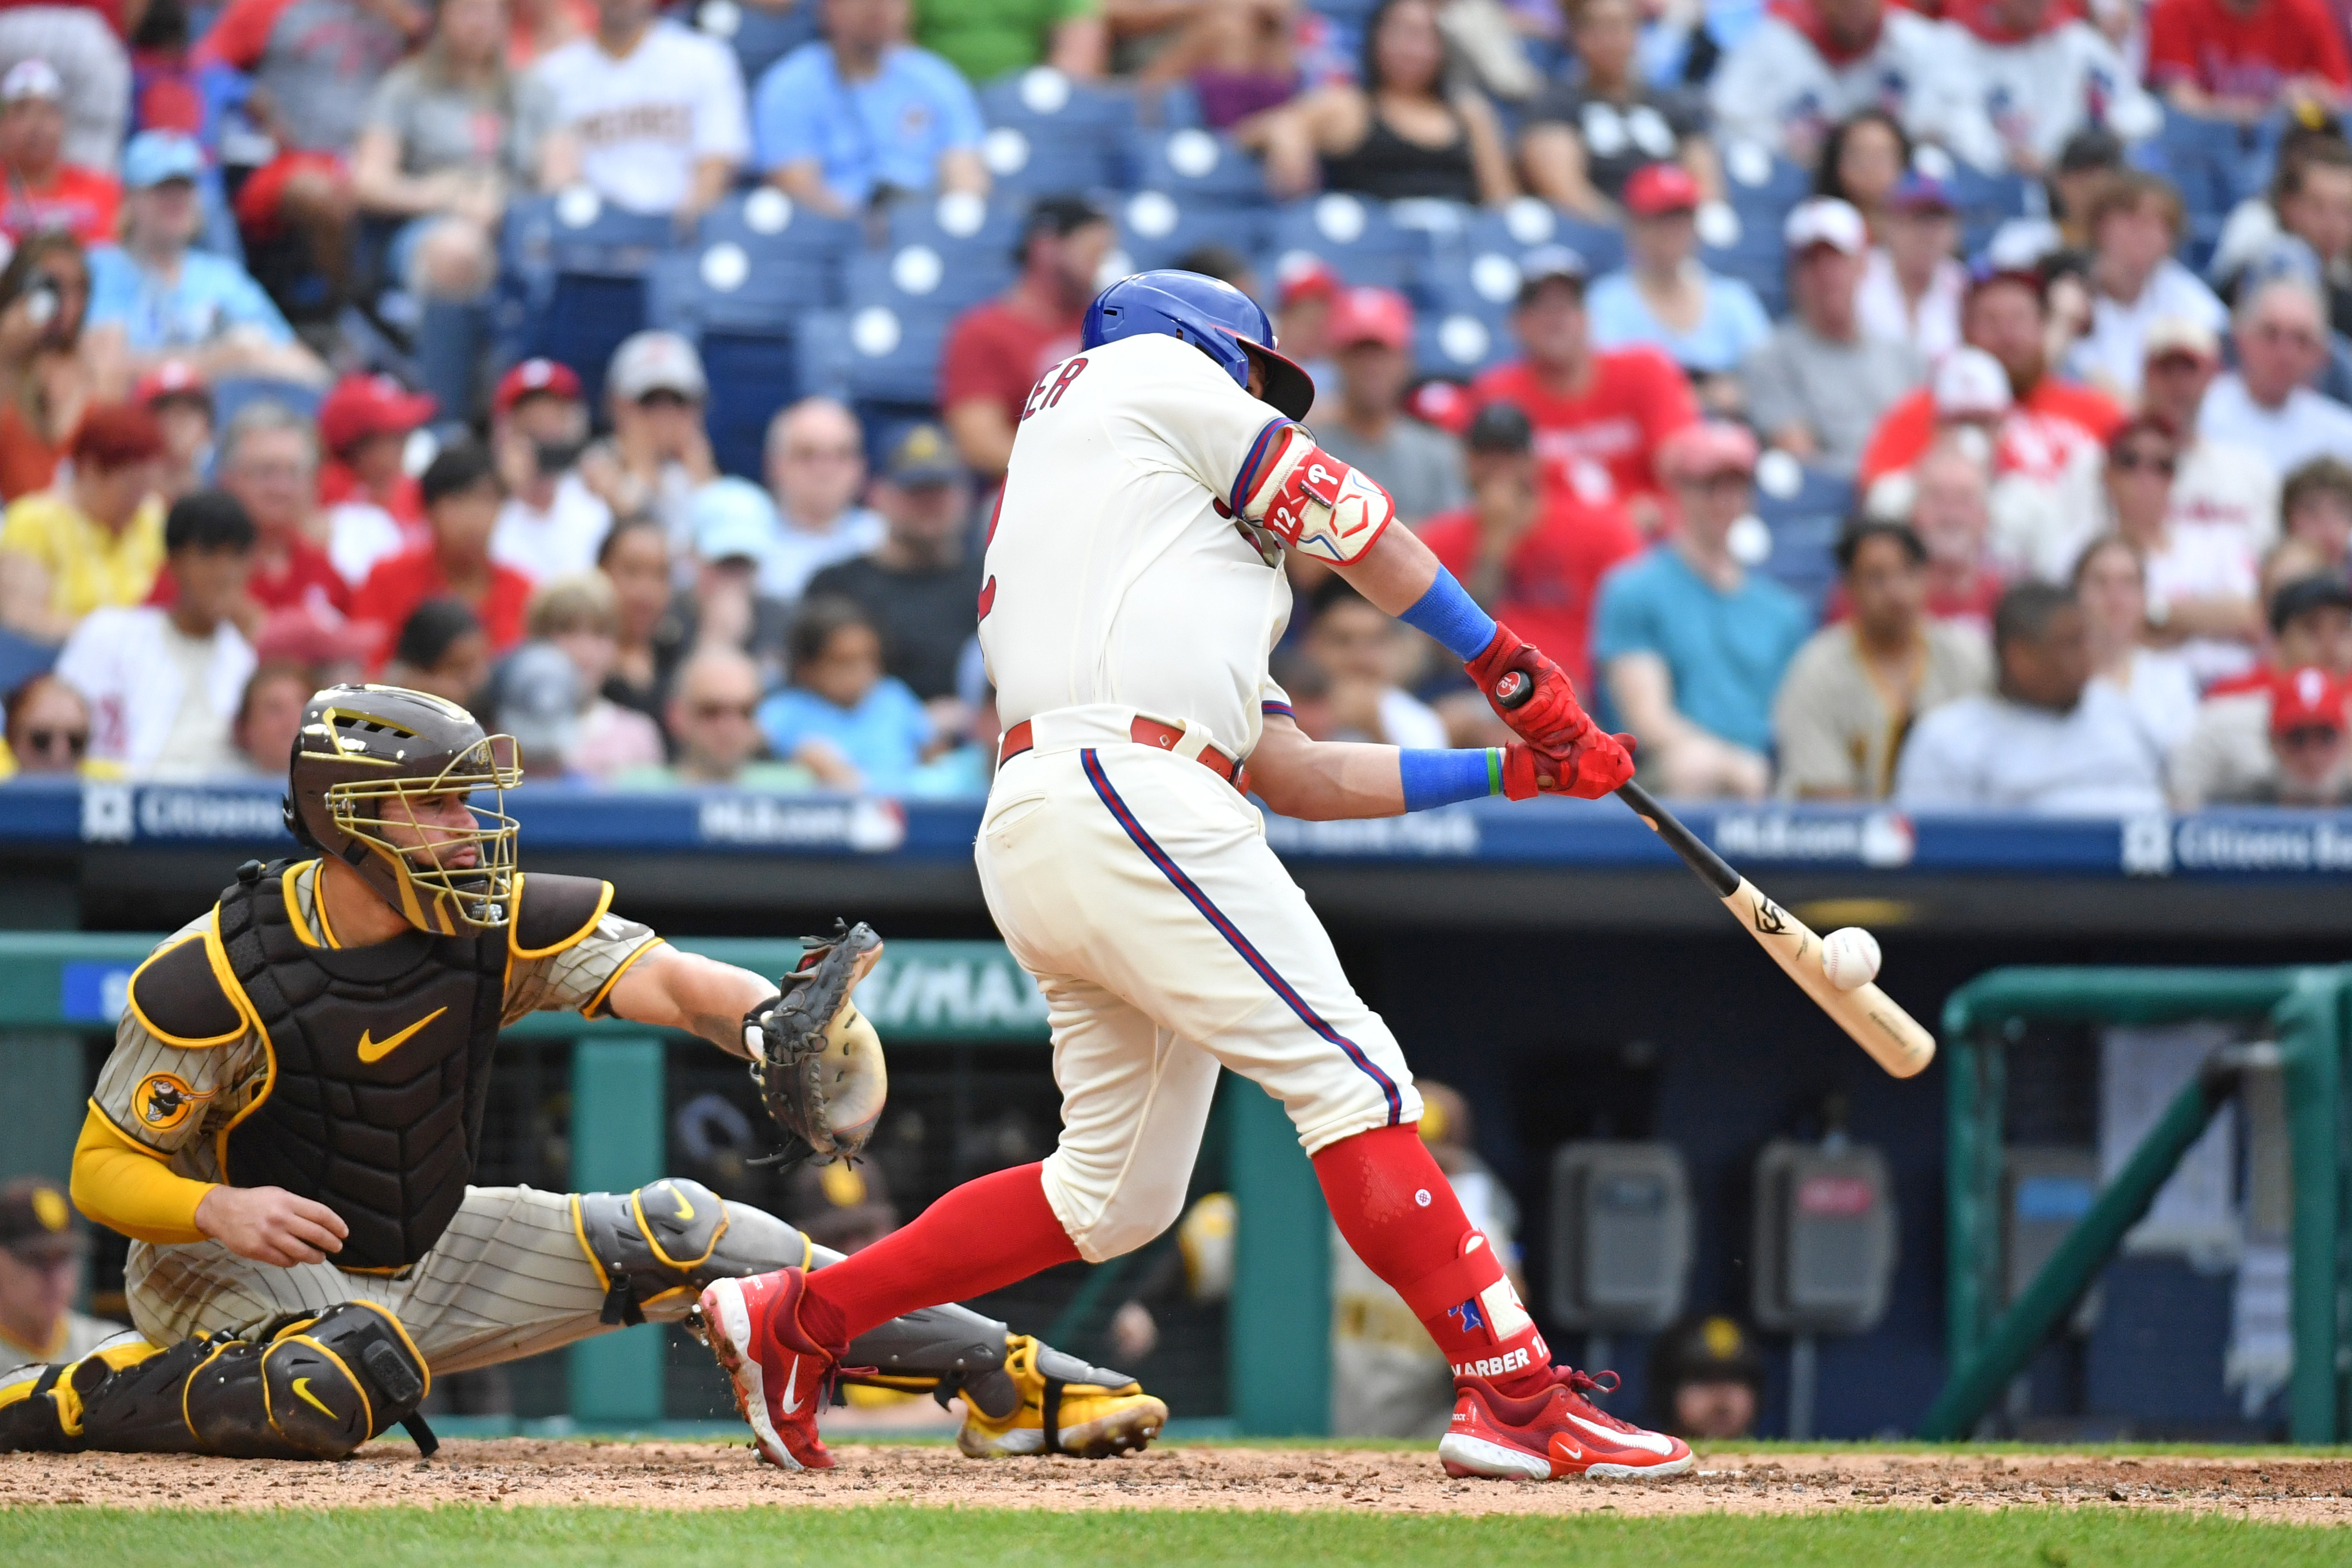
(782, 1377)
(1559, 1431)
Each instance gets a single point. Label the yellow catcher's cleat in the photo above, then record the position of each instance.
(1060, 1415)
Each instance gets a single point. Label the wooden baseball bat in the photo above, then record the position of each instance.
(1892, 1037)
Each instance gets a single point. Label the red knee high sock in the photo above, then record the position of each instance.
(981, 1237)
(1399, 1212)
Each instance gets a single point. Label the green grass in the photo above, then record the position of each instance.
(912, 1537)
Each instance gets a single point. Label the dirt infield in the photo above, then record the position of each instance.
(524, 1471)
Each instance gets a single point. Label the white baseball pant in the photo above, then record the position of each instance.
(1136, 886)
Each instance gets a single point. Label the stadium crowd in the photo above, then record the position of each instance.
(1947, 406)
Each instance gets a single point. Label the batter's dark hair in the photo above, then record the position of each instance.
(207, 520)
(2025, 612)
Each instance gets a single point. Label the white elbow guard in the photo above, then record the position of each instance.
(1317, 504)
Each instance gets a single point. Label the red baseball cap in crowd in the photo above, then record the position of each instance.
(359, 406)
(1311, 278)
(1709, 448)
(171, 378)
(2306, 698)
(1442, 403)
(1370, 316)
(1657, 189)
(534, 378)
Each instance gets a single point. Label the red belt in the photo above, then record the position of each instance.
(1143, 732)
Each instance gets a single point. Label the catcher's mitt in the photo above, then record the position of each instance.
(816, 1059)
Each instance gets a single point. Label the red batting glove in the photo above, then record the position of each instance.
(1550, 717)
(1588, 769)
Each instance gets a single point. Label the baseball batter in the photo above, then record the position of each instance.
(1133, 586)
(289, 1123)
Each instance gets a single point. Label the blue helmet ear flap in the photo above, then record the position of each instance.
(1213, 316)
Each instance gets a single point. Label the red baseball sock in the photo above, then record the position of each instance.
(1399, 1212)
(981, 1237)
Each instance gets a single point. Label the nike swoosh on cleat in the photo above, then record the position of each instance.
(1562, 1448)
(1649, 1442)
(791, 1403)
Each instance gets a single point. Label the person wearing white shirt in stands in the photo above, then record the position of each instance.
(1913, 283)
(2049, 740)
(816, 471)
(648, 114)
(1811, 63)
(2029, 77)
(2111, 584)
(2135, 222)
(2221, 481)
(2267, 404)
(550, 522)
(163, 685)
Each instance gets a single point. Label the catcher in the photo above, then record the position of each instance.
(292, 1114)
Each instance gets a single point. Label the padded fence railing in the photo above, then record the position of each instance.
(2305, 1010)
(57, 988)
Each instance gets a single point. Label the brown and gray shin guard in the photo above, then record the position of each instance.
(300, 1388)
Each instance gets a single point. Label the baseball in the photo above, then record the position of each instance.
(1850, 957)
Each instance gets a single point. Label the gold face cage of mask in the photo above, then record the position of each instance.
(431, 893)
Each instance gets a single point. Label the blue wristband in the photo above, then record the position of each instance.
(1439, 778)
(1450, 615)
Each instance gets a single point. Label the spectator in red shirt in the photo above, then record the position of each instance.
(1599, 415)
(2049, 420)
(364, 422)
(1531, 553)
(269, 462)
(996, 352)
(43, 191)
(2239, 60)
(175, 392)
(82, 39)
(462, 497)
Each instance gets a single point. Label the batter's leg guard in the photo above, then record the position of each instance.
(300, 1388)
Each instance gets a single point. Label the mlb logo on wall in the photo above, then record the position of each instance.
(2148, 847)
(107, 816)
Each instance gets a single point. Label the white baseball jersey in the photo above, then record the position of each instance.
(642, 120)
(1117, 570)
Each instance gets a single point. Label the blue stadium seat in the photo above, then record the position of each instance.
(1358, 237)
(573, 275)
(1050, 135)
(751, 375)
(918, 279)
(760, 261)
(1528, 223)
(1757, 177)
(759, 34)
(872, 353)
(960, 223)
(1155, 229)
(1988, 201)
(1194, 165)
(1459, 342)
(1804, 508)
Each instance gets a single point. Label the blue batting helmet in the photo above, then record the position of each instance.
(1213, 316)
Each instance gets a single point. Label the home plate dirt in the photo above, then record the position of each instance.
(522, 1471)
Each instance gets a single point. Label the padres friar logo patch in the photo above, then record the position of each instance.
(163, 1101)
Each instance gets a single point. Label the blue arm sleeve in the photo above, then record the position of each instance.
(1439, 778)
(1453, 617)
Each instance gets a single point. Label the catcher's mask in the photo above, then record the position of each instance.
(382, 779)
